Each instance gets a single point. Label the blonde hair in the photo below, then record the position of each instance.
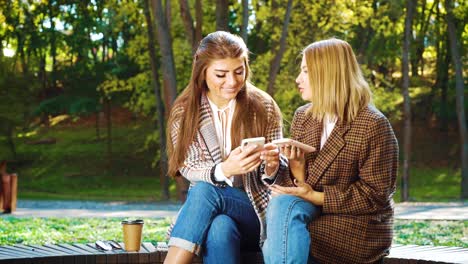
(338, 86)
(186, 109)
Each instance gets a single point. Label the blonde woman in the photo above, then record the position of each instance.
(225, 208)
(340, 210)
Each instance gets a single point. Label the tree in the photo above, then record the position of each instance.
(193, 31)
(459, 86)
(222, 15)
(245, 20)
(167, 56)
(422, 22)
(159, 104)
(275, 63)
(169, 77)
(410, 5)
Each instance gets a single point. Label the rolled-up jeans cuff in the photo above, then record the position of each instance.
(185, 244)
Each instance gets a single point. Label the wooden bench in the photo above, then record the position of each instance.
(149, 254)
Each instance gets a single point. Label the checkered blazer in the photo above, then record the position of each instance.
(204, 153)
(356, 169)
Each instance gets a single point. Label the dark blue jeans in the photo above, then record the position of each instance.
(217, 222)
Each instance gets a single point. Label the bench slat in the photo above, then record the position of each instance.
(149, 254)
(154, 256)
(22, 252)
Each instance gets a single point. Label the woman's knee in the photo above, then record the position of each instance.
(202, 191)
(290, 205)
(223, 229)
(281, 203)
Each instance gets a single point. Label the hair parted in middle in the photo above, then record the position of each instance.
(185, 112)
(337, 83)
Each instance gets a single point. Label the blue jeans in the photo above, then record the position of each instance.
(222, 221)
(288, 239)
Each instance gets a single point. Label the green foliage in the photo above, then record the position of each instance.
(29, 231)
(431, 233)
(63, 104)
(38, 231)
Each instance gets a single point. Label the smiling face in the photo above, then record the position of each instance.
(303, 83)
(225, 78)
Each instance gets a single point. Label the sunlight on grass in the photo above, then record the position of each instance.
(433, 233)
(27, 134)
(432, 184)
(83, 230)
(73, 230)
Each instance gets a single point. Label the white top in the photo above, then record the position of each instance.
(223, 123)
(328, 126)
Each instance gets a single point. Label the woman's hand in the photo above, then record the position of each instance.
(242, 161)
(303, 190)
(296, 161)
(270, 155)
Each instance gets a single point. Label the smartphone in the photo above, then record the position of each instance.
(292, 142)
(259, 141)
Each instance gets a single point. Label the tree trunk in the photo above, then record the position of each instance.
(53, 45)
(222, 15)
(245, 19)
(168, 12)
(98, 131)
(444, 82)
(442, 74)
(42, 70)
(276, 61)
(424, 23)
(407, 102)
(11, 142)
(188, 23)
(168, 68)
(109, 132)
(167, 57)
(164, 181)
(198, 22)
(459, 86)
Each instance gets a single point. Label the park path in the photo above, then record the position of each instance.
(35, 208)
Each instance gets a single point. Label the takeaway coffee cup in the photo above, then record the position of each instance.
(132, 230)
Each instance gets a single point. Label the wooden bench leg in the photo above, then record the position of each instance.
(13, 192)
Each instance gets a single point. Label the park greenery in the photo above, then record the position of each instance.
(70, 69)
(40, 231)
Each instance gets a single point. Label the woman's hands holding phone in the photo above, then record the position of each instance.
(296, 159)
(270, 155)
(241, 161)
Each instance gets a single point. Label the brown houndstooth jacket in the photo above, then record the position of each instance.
(204, 153)
(356, 169)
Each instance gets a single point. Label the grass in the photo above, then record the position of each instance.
(77, 167)
(82, 230)
(30, 231)
(433, 233)
(432, 185)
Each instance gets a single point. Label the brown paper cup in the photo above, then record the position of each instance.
(132, 234)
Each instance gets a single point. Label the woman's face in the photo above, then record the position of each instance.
(302, 81)
(225, 78)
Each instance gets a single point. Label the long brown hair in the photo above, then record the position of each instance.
(184, 115)
(338, 86)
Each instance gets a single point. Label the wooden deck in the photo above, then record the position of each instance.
(87, 253)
